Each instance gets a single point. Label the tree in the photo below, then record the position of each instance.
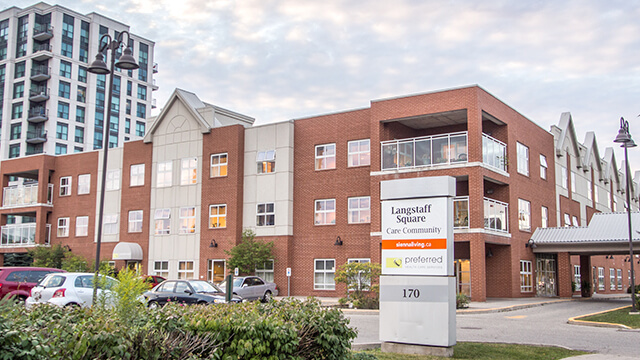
(360, 279)
(51, 257)
(249, 253)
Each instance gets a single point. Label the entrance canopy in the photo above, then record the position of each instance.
(127, 251)
(606, 234)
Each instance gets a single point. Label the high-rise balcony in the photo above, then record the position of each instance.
(426, 151)
(37, 136)
(24, 195)
(494, 153)
(496, 215)
(42, 52)
(19, 235)
(40, 73)
(38, 114)
(39, 94)
(155, 68)
(153, 103)
(42, 32)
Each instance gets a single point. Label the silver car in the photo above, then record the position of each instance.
(252, 288)
(69, 289)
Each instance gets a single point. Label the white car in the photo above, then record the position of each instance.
(69, 289)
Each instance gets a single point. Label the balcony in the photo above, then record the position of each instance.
(494, 153)
(154, 86)
(19, 235)
(25, 195)
(39, 95)
(424, 151)
(38, 115)
(153, 104)
(155, 68)
(42, 52)
(496, 215)
(40, 74)
(42, 32)
(36, 136)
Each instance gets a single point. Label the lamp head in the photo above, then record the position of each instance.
(338, 241)
(127, 61)
(98, 66)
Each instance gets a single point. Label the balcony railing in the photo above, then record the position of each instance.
(424, 151)
(461, 212)
(22, 235)
(496, 215)
(494, 152)
(24, 195)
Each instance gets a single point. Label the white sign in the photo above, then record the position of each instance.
(288, 271)
(415, 237)
(235, 272)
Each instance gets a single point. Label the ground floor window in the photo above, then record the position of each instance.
(612, 279)
(619, 279)
(546, 267)
(324, 273)
(161, 268)
(185, 270)
(526, 276)
(216, 271)
(600, 278)
(265, 271)
(463, 276)
(363, 284)
(594, 278)
(577, 277)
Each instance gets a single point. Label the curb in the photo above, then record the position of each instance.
(576, 321)
(509, 308)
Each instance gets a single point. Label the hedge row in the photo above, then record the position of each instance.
(287, 329)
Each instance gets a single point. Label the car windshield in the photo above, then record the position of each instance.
(53, 281)
(203, 286)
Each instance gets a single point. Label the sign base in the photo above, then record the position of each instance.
(391, 347)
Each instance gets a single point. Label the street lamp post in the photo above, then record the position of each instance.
(98, 66)
(624, 138)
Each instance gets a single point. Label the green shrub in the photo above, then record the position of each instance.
(360, 279)
(637, 289)
(462, 301)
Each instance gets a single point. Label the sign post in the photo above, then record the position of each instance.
(288, 281)
(417, 285)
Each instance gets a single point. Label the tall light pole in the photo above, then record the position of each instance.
(624, 138)
(98, 66)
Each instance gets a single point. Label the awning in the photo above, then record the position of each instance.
(127, 251)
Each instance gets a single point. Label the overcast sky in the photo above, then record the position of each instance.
(278, 60)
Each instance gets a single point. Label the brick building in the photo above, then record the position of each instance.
(181, 196)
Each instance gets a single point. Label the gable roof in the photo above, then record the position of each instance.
(567, 128)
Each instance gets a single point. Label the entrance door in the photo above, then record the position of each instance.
(463, 276)
(216, 271)
(546, 274)
(133, 265)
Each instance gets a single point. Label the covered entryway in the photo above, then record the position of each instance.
(546, 275)
(129, 252)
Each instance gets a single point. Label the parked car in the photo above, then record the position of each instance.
(153, 280)
(252, 288)
(186, 292)
(18, 281)
(69, 289)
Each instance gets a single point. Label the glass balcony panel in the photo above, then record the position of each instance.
(440, 150)
(461, 212)
(458, 148)
(20, 195)
(405, 154)
(20, 234)
(494, 152)
(390, 156)
(495, 215)
(423, 152)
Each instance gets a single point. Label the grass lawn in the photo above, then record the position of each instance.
(468, 350)
(619, 316)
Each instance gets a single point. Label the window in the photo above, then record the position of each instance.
(600, 278)
(266, 161)
(161, 268)
(619, 273)
(140, 128)
(612, 279)
(82, 74)
(565, 177)
(589, 190)
(63, 110)
(363, 284)
(187, 220)
(526, 276)
(82, 94)
(16, 131)
(19, 70)
(82, 225)
(523, 159)
(14, 151)
(65, 70)
(164, 174)
(127, 109)
(359, 153)
(325, 156)
(325, 212)
(84, 184)
(64, 89)
(324, 272)
(185, 270)
(567, 220)
(162, 219)
(359, 210)
(266, 215)
(217, 216)
(61, 149)
(18, 90)
(113, 180)
(189, 171)
(524, 215)
(137, 175)
(66, 49)
(62, 131)
(265, 270)
(129, 87)
(219, 165)
(135, 221)
(80, 114)
(79, 138)
(127, 126)
(577, 277)
(574, 221)
(545, 217)
(142, 92)
(573, 182)
(595, 193)
(63, 227)
(110, 224)
(141, 110)
(65, 186)
(16, 110)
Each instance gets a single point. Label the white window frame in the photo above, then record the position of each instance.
(601, 278)
(360, 155)
(324, 153)
(361, 284)
(187, 217)
(84, 184)
(266, 161)
(567, 219)
(218, 220)
(573, 182)
(589, 190)
(328, 275)
(596, 193)
(189, 171)
(136, 175)
(219, 168)
(135, 221)
(264, 214)
(577, 277)
(186, 269)
(113, 180)
(564, 178)
(612, 279)
(545, 217)
(164, 174)
(63, 227)
(65, 185)
(161, 268)
(266, 271)
(523, 158)
(82, 226)
(110, 224)
(619, 278)
(543, 167)
(324, 212)
(574, 221)
(162, 217)
(359, 207)
(524, 215)
(526, 276)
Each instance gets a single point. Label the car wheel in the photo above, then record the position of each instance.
(202, 303)
(153, 305)
(72, 306)
(267, 297)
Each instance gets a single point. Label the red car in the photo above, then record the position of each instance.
(18, 281)
(153, 280)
